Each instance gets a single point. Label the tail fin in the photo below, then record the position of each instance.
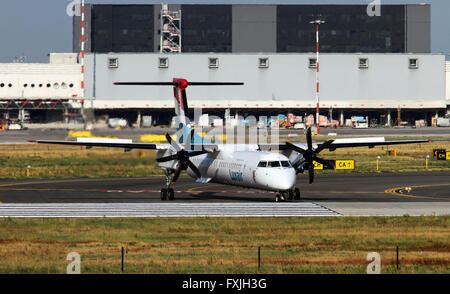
(181, 106)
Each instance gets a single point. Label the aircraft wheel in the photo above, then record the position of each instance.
(170, 194)
(164, 194)
(297, 193)
(290, 194)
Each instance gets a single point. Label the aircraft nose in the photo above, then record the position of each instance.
(276, 179)
(289, 179)
(286, 180)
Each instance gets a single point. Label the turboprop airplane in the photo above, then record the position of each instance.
(249, 165)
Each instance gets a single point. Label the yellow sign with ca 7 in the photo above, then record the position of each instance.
(317, 165)
(345, 164)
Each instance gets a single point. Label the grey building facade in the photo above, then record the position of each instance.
(286, 83)
(259, 28)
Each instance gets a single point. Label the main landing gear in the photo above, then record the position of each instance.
(293, 194)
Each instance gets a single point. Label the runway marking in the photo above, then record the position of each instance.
(393, 191)
(199, 187)
(122, 210)
(345, 192)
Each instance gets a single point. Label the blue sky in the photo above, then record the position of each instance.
(36, 28)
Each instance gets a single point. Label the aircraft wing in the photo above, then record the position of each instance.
(369, 142)
(114, 144)
(345, 143)
(122, 143)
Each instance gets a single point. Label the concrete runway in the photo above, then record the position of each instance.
(345, 194)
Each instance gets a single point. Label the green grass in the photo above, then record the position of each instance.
(226, 245)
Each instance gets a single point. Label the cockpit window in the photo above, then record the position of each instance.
(274, 164)
(285, 164)
(262, 164)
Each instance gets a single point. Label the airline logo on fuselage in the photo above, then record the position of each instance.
(236, 176)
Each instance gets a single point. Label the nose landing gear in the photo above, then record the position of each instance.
(293, 194)
(168, 193)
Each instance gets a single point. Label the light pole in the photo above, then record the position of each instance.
(317, 22)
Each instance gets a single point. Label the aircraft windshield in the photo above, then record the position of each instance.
(262, 164)
(283, 163)
(274, 164)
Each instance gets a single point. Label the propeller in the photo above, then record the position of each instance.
(182, 156)
(310, 155)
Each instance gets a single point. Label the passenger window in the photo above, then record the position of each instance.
(274, 164)
(285, 164)
(262, 164)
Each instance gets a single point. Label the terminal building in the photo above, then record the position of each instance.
(375, 66)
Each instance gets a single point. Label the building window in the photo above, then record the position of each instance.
(363, 63)
(413, 63)
(312, 63)
(113, 62)
(163, 62)
(213, 62)
(263, 62)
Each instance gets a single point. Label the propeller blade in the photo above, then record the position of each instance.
(167, 158)
(323, 146)
(173, 143)
(326, 163)
(296, 148)
(194, 169)
(309, 138)
(311, 173)
(177, 173)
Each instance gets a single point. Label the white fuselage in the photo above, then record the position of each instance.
(252, 169)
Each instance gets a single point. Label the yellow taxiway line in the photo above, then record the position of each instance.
(392, 192)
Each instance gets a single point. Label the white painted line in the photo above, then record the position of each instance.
(164, 210)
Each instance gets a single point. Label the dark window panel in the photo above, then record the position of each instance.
(206, 28)
(122, 28)
(348, 28)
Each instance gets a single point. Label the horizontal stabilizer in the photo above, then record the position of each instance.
(182, 83)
